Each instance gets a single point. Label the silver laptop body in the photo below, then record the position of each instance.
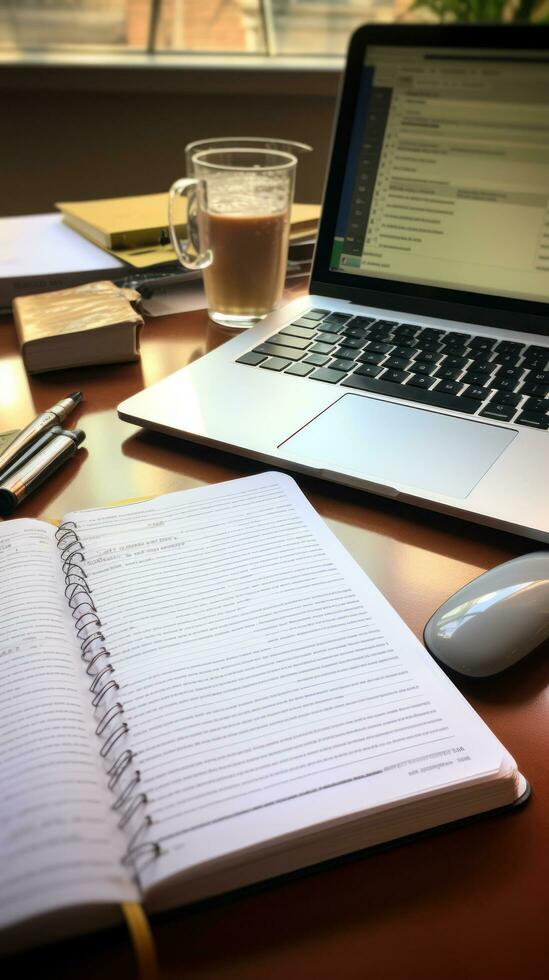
(418, 365)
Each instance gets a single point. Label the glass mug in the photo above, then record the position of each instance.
(238, 222)
(242, 142)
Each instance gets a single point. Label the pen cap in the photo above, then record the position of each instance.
(64, 406)
(8, 502)
(38, 468)
(22, 458)
(77, 435)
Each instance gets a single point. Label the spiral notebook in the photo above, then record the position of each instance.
(202, 691)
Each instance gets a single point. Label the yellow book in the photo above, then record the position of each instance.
(304, 220)
(120, 222)
(135, 229)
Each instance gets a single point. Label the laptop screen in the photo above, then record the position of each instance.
(447, 175)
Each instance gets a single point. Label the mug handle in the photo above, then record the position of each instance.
(187, 188)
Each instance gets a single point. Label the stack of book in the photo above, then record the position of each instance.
(122, 239)
(303, 232)
(135, 230)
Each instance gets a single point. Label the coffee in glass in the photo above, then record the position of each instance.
(238, 221)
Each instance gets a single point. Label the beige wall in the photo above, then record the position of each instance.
(68, 136)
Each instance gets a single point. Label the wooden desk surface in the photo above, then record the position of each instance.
(466, 903)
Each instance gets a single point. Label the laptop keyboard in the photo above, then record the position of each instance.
(497, 379)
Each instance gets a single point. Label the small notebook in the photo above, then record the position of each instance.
(202, 691)
(91, 324)
(120, 222)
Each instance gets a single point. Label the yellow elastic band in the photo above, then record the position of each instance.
(142, 940)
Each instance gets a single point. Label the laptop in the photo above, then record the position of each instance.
(417, 367)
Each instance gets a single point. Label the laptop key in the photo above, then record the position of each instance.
(332, 328)
(511, 358)
(481, 365)
(397, 377)
(495, 410)
(251, 358)
(329, 338)
(301, 370)
(377, 348)
(533, 420)
(400, 363)
(315, 314)
(535, 361)
(351, 353)
(275, 364)
(342, 364)
(352, 342)
(276, 350)
(419, 367)
(449, 387)
(507, 360)
(538, 390)
(431, 333)
(454, 361)
(476, 378)
(404, 350)
(321, 348)
(421, 381)
(370, 357)
(454, 345)
(539, 405)
(383, 336)
(447, 374)
(506, 398)
(508, 346)
(474, 392)
(433, 397)
(509, 372)
(482, 343)
(428, 357)
(364, 321)
(319, 360)
(294, 330)
(368, 370)
(328, 374)
(538, 377)
(506, 384)
(537, 349)
(303, 322)
(298, 343)
(337, 318)
(433, 346)
(536, 358)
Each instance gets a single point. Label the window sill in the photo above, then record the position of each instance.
(185, 73)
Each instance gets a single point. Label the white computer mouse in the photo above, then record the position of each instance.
(495, 620)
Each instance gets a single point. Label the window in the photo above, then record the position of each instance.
(169, 27)
(283, 28)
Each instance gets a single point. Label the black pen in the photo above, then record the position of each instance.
(23, 480)
(46, 420)
(34, 447)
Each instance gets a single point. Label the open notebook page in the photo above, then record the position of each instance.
(59, 845)
(267, 684)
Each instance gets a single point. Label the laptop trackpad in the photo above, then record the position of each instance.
(399, 445)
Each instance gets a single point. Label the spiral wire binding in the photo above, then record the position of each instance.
(112, 727)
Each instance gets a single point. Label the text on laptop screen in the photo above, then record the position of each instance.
(447, 178)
